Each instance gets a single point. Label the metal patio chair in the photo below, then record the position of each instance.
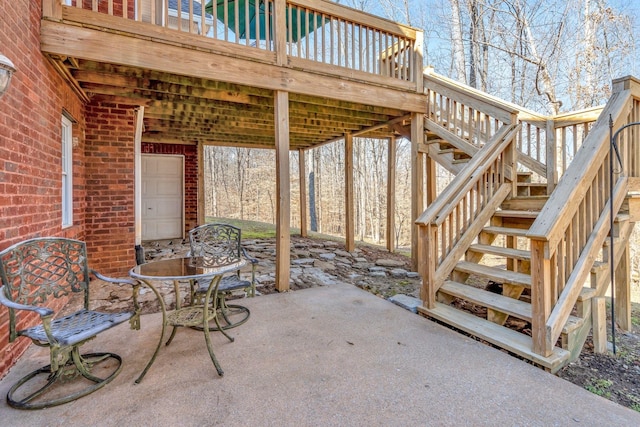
(223, 241)
(38, 276)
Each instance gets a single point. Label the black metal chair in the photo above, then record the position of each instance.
(41, 272)
(223, 241)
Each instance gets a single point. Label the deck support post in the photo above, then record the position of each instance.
(283, 193)
(541, 282)
(623, 291)
(52, 9)
(348, 193)
(391, 195)
(280, 37)
(552, 156)
(302, 172)
(417, 182)
(599, 319)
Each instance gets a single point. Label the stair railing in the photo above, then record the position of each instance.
(449, 225)
(572, 226)
(468, 118)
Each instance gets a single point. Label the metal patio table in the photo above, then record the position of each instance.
(194, 315)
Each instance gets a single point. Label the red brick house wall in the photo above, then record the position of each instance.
(31, 169)
(190, 153)
(30, 146)
(110, 188)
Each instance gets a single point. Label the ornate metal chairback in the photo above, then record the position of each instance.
(218, 244)
(36, 269)
(33, 273)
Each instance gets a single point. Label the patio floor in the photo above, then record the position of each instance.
(324, 356)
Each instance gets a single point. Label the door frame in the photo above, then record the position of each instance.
(182, 192)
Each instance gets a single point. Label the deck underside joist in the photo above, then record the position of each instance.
(182, 106)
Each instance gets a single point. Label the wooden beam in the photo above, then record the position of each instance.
(348, 193)
(623, 291)
(303, 192)
(431, 183)
(95, 45)
(279, 27)
(417, 182)
(283, 191)
(391, 195)
(599, 318)
(541, 284)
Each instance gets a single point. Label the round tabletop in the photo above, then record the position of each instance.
(183, 268)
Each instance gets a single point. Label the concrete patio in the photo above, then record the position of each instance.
(325, 356)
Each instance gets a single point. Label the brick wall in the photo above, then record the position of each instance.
(110, 188)
(190, 153)
(30, 147)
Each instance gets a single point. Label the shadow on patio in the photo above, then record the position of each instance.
(328, 355)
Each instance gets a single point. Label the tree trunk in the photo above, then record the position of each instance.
(456, 42)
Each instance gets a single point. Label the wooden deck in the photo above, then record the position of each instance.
(217, 89)
(198, 80)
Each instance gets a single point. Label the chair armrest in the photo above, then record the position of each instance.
(251, 259)
(42, 311)
(135, 319)
(114, 280)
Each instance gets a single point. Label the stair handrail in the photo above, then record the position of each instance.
(562, 237)
(540, 136)
(455, 217)
(482, 101)
(461, 183)
(496, 112)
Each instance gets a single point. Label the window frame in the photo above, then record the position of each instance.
(66, 157)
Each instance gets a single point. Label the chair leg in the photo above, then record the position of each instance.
(173, 334)
(79, 365)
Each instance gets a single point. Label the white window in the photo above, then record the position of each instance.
(67, 173)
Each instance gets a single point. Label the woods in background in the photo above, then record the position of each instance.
(550, 56)
(240, 183)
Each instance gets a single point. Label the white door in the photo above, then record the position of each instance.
(162, 201)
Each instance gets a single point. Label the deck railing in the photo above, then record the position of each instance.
(316, 34)
(569, 232)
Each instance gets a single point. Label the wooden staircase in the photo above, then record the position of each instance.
(511, 258)
(494, 280)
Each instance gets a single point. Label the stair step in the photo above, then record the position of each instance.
(496, 274)
(501, 303)
(508, 213)
(456, 153)
(527, 189)
(511, 306)
(525, 203)
(524, 176)
(507, 231)
(500, 251)
(459, 161)
(587, 293)
(500, 336)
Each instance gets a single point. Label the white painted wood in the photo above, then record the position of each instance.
(137, 168)
(162, 197)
